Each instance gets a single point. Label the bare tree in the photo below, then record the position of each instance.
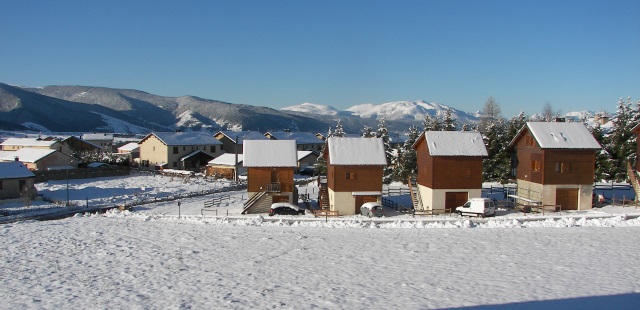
(547, 112)
(490, 113)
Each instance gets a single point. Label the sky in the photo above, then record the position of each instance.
(574, 55)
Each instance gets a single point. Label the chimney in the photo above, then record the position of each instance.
(16, 158)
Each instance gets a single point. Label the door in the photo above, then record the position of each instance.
(453, 200)
(363, 199)
(567, 198)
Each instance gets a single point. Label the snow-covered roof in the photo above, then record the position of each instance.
(561, 135)
(14, 170)
(303, 154)
(185, 138)
(226, 159)
(242, 135)
(300, 137)
(356, 151)
(270, 153)
(97, 136)
(26, 142)
(455, 143)
(194, 153)
(29, 155)
(131, 146)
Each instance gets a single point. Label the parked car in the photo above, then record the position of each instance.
(308, 170)
(285, 208)
(480, 207)
(372, 209)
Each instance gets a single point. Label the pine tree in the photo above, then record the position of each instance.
(321, 162)
(339, 130)
(448, 123)
(620, 144)
(431, 123)
(496, 166)
(406, 163)
(602, 171)
(367, 132)
(383, 133)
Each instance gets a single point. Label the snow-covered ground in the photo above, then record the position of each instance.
(150, 258)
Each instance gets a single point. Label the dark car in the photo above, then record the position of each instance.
(285, 208)
(308, 170)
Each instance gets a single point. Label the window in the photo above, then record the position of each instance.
(184, 148)
(213, 149)
(351, 175)
(562, 167)
(175, 150)
(1, 188)
(535, 166)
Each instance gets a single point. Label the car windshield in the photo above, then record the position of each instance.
(467, 205)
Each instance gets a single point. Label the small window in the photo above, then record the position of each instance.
(535, 165)
(528, 140)
(351, 175)
(175, 150)
(213, 149)
(562, 167)
(1, 186)
(184, 148)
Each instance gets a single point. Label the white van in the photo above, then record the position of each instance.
(478, 206)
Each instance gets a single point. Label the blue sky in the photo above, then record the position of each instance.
(574, 55)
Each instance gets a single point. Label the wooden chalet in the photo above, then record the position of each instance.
(554, 164)
(449, 169)
(354, 173)
(270, 166)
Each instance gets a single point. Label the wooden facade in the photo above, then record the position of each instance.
(558, 171)
(354, 178)
(447, 178)
(264, 179)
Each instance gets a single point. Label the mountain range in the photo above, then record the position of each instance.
(101, 109)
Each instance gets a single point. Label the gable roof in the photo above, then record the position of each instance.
(184, 138)
(97, 136)
(270, 153)
(242, 135)
(29, 142)
(29, 155)
(356, 151)
(636, 128)
(226, 159)
(300, 137)
(303, 154)
(129, 146)
(454, 143)
(559, 135)
(14, 170)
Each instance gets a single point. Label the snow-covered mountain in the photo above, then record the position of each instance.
(312, 108)
(407, 111)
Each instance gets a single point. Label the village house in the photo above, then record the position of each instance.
(103, 140)
(178, 150)
(305, 141)
(449, 169)
(354, 173)
(228, 139)
(131, 148)
(16, 180)
(40, 159)
(554, 165)
(307, 159)
(270, 165)
(14, 144)
(77, 146)
(224, 166)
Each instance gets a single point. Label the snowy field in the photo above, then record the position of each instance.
(151, 259)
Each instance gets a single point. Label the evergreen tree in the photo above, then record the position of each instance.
(339, 130)
(448, 123)
(496, 166)
(466, 127)
(431, 123)
(367, 132)
(406, 163)
(602, 171)
(621, 141)
(321, 162)
(383, 133)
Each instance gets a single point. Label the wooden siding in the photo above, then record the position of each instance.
(578, 165)
(447, 172)
(361, 178)
(258, 177)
